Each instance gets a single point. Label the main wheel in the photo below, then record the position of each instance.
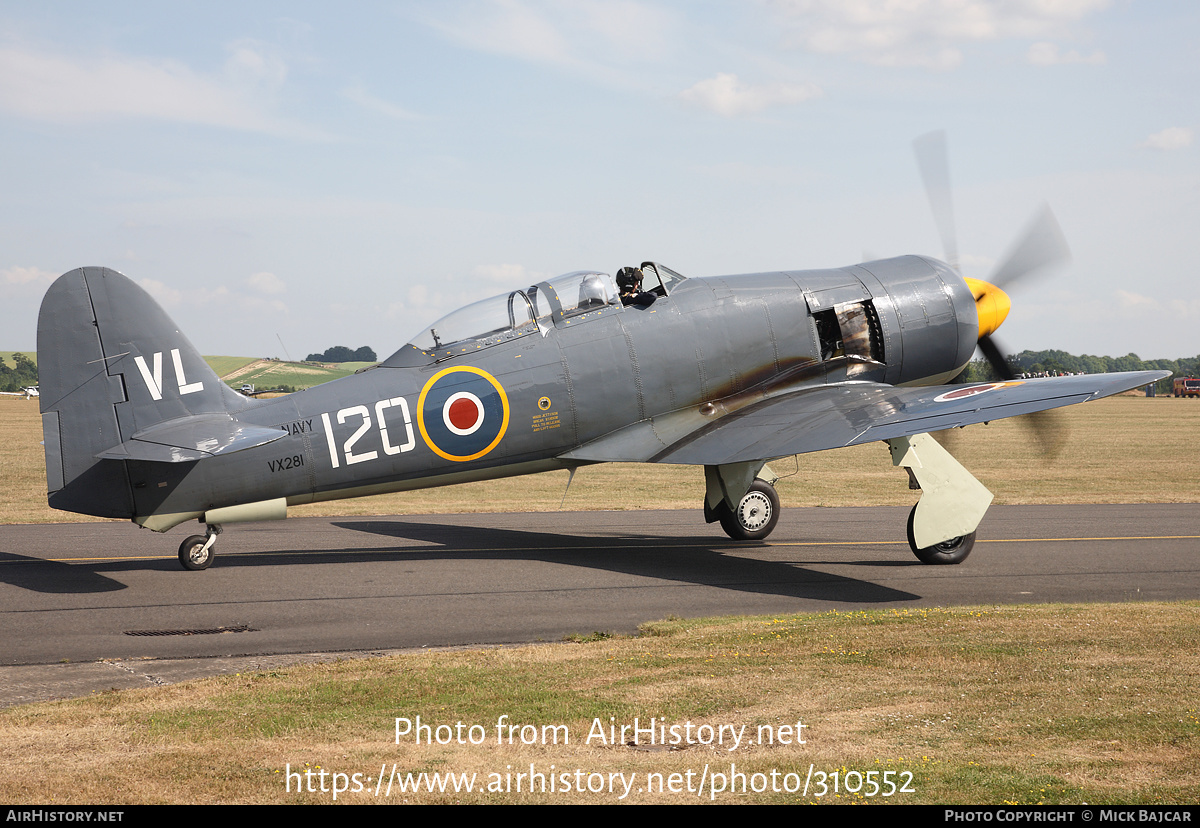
(953, 551)
(193, 555)
(756, 513)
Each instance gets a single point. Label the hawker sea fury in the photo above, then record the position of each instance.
(723, 373)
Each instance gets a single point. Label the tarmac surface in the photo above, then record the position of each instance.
(89, 607)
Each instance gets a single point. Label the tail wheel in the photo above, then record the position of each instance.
(193, 555)
(756, 513)
(953, 551)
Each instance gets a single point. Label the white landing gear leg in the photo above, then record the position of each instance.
(941, 527)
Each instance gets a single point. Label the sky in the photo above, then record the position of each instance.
(284, 177)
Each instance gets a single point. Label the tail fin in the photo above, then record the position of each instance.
(113, 365)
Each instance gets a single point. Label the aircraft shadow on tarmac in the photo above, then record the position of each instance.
(694, 560)
(56, 577)
(703, 561)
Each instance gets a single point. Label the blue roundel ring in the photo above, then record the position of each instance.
(462, 413)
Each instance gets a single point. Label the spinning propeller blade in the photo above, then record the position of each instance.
(1040, 246)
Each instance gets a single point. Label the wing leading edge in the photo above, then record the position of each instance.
(835, 416)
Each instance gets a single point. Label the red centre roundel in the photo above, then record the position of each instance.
(463, 413)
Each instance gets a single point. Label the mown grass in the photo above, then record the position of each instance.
(1020, 705)
(276, 373)
(1119, 450)
(223, 365)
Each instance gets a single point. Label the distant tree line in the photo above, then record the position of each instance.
(22, 374)
(1060, 362)
(340, 353)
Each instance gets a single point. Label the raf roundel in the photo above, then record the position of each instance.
(462, 413)
(971, 391)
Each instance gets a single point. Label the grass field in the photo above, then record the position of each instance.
(223, 365)
(996, 705)
(1124, 449)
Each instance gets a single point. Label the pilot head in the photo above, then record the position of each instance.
(629, 279)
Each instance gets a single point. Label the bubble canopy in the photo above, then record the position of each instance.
(571, 297)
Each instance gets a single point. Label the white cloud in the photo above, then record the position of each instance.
(1045, 53)
(725, 95)
(166, 296)
(507, 275)
(1129, 300)
(928, 33)
(365, 99)
(219, 296)
(507, 27)
(267, 283)
(1171, 138)
(66, 88)
(1134, 305)
(251, 63)
(592, 37)
(28, 276)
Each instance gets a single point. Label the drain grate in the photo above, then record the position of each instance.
(210, 631)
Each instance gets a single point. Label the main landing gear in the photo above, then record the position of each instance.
(755, 515)
(197, 552)
(941, 527)
(742, 497)
(953, 551)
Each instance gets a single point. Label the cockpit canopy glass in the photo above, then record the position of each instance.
(659, 279)
(516, 314)
(483, 323)
(576, 293)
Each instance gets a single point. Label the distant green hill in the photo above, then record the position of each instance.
(6, 357)
(223, 365)
(261, 373)
(271, 373)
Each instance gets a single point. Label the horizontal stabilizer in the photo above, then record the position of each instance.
(192, 438)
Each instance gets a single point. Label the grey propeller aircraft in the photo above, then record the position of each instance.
(726, 373)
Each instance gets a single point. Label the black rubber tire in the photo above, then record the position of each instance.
(756, 514)
(953, 551)
(189, 553)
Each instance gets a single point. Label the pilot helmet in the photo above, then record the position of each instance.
(629, 278)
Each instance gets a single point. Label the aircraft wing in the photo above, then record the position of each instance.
(847, 414)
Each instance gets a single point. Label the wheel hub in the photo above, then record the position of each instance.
(754, 511)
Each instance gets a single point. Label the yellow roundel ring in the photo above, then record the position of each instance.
(462, 413)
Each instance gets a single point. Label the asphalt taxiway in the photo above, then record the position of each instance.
(98, 605)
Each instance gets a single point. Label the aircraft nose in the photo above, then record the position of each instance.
(991, 303)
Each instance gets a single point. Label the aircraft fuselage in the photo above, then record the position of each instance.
(520, 404)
